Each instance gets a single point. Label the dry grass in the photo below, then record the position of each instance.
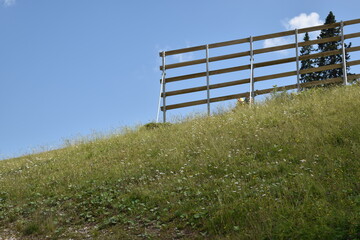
(284, 169)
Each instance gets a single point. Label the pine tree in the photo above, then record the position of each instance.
(330, 46)
(307, 63)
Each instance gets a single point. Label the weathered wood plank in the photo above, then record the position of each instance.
(274, 62)
(203, 88)
(229, 43)
(321, 54)
(273, 76)
(184, 77)
(276, 48)
(274, 35)
(184, 64)
(203, 60)
(258, 38)
(258, 51)
(353, 63)
(350, 22)
(184, 50)
(202, 74)
(319, 69)
(204, 101)
(352, 35)
(319, 27)
(260, 92)
(263, 64)
(317, 41)
(269, 90)
(269, 63)
(353, 49)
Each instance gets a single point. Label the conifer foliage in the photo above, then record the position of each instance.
(330, 46)
(307, 63)
(326, 60)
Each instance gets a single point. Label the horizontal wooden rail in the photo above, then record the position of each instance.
(228, 43)
(260, 92)
(247, 53)
(204, 101)
(353, 49)
(203, 74)
(292, 46)
(351, 22)
(353, 63)
(274, 35)
(244, 67)
(259, 51)
(203, 60)
(321, 54)
(257, 38)
(274, 76)
(203, 88)
(352, 35)
(308, 84)
(268, 77)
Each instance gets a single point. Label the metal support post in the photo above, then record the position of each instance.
(343, 54)
(207, 80)
(163, 86)
(252, 95)
(297, 60)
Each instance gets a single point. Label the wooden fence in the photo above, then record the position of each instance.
(252, 66)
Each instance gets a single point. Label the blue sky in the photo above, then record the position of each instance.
(72, 68)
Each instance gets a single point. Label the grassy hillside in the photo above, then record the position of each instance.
(285, 169)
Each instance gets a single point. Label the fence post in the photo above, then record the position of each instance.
(297, 60)
(343, 54)
(252, 95)
(207, 79)
(163, 85)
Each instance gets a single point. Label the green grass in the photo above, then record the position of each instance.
(287, 168)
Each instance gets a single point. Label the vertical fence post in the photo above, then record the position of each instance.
(163, 85)
(207, 80)
(162, 88)
(343, 54)
(252, 95)
(297, 60)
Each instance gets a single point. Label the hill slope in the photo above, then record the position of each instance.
(285, 169)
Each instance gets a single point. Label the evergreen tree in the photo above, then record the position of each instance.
(330, 46)
(307, 63)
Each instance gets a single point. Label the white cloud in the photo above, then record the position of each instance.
(8, 3)
(304, 21)
(301, 21)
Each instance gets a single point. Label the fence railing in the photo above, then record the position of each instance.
(252, 66)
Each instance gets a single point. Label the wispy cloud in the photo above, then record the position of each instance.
(273, 42)
(183, 57)
(8, 3)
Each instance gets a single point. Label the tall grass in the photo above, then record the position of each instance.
(287, 168)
